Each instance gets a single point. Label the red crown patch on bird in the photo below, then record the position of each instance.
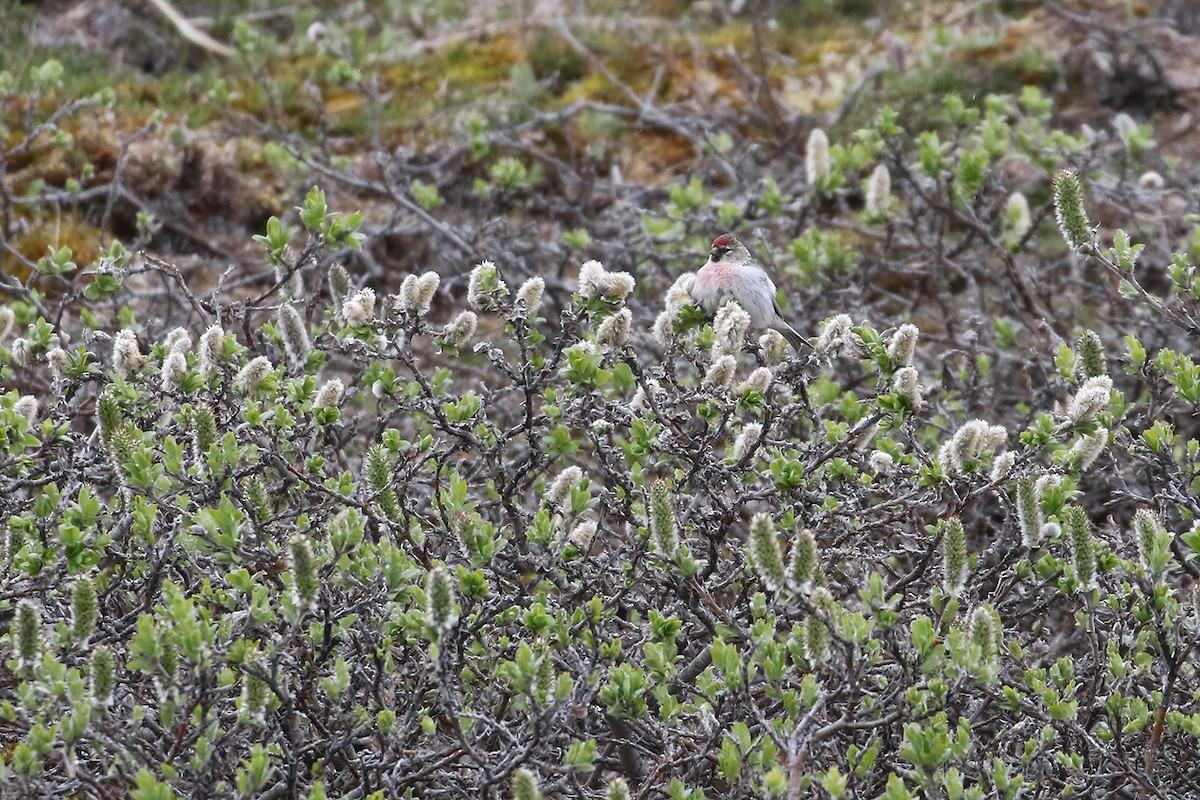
(724, 240)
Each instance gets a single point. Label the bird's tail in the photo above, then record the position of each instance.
(798, 342)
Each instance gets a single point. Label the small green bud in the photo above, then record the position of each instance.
(954, 552)
(816, 641)
(1091, 354)
(304, 570)
(985, 631)
(1153, 541)
(28, 634)
(103, 675)
(13, 542)
(664, 531)
(378, 468)
(1029, 511)
(125, 443)
(816, 631)
(84, 609)
(256, 496)
(765, 554)
(524, 786)
(254, 698)
(1083, 546)
(168, 657)
(1069, 210)
(389, 504)
(440, 600)
(617, 789)
(204, 428)
(108, 411)
(805, 560)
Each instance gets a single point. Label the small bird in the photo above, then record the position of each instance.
(732, 272)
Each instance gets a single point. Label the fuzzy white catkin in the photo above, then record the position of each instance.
(1092, 398)
(408, 295)
(461, 330)
(531, 293)
(27, 407)
(663, 330)
(864, 436)
(484, 286)
(773, 346)
(294, 331)
(881, 463)
(583, 534)
(1002, 466)
(1017, 215)
(964, 446)
(1047, 483)
(59, 362)
(127, 356)
(907, 382)
(330, 394)
(997, 438)
(212, 345)
(879, 192)
(590, 275)
(680, 293)
(179, 340)
(174, 367)
(970, 441)
(640, 401)
(7, 318)
(358, 308)
(615, 330)
(903, 345)
(563, 484)
(22, 352)
(730, 328)
(1125, 126)
(616, 286)
(253, 374)
(760, 381)
(947, 458)
(1151, 180)
(836, 335)
(720, 374)
(678, 296)
(816, 157)
(1090, 448)
(745, 441)
(417, 291)
(427, 286)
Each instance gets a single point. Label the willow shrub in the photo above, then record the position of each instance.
(329, 541)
